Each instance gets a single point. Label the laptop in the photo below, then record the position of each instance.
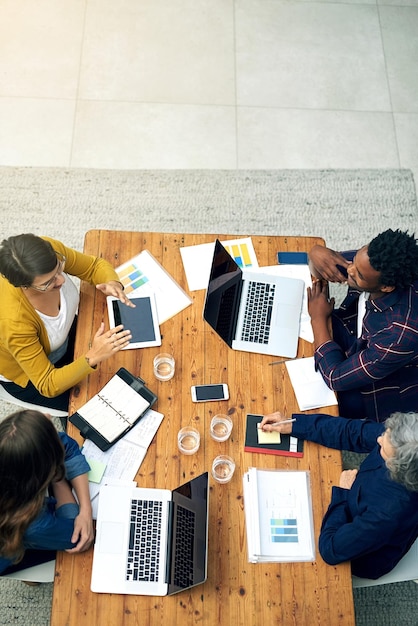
(252, 311)
(151, 542)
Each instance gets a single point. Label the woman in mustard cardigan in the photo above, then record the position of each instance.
(37, 318)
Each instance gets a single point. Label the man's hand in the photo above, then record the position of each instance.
(319, 305)
(323, 264)
(320, 308)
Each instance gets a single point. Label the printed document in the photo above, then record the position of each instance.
(143, 275)
(197, 260)
(310, 389)
(278, 516)
(122, 461)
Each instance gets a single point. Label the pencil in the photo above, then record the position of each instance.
(278, 423)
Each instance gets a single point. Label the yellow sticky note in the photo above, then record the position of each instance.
(97, 469)
(272, 437)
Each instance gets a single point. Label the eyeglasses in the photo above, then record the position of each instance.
(60, 268)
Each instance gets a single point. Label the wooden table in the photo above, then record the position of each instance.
(236, 592)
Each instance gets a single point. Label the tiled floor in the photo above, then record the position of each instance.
(209, 83)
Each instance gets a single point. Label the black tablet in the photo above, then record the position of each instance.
(142, 320)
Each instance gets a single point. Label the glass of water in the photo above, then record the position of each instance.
(223, 468)
(220, 427)
(188, 440)
(164, 366)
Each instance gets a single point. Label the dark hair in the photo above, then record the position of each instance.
(403, 435)
(394, 254)
(23, 257)
(31, 456)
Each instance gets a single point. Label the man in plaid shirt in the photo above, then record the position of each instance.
(371, 358)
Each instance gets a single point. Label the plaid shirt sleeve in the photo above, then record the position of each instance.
(389, 341)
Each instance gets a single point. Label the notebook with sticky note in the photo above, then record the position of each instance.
(257, 440)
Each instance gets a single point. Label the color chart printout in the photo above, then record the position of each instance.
(285, 515)
(197, 260)
(132, 277)
(143, 275)
(242, 252)
(283, 518)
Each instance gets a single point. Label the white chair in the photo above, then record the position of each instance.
(7, 397)
(406, 569)
(43, 573)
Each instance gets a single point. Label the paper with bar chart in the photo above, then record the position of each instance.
(144, 274)
(278, 516)
(197, 260)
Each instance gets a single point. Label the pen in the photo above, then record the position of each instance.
(278, 423)
(278, 362)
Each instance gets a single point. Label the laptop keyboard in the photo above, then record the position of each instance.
(144, 540)
(183, 568)
(258, 312)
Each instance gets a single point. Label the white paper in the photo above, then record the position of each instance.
(197, 260)
(310, 389)
(124, 458)
(143, 275)
(278, 516)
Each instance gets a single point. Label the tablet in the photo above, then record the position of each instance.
(142, 320)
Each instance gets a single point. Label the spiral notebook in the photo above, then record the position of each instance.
(114, 410)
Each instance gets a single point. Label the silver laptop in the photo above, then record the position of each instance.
(252, 311)
(151, 542)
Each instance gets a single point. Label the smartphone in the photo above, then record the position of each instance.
(292, 258)
(207, 393)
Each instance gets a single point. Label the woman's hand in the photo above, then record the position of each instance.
(83, 534)
(323, 264)
(105, 344)
(347, 478)
(114, 288)
(271, 423)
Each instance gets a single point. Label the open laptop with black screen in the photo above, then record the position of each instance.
(151, 542)
(252, 311)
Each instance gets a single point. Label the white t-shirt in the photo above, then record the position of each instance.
(363, 297)
(59, 326)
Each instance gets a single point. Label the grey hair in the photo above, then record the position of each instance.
(403, 435)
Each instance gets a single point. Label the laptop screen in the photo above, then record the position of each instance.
(223, 294)
(189, 532)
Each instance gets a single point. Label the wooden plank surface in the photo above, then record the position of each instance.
(236, 592)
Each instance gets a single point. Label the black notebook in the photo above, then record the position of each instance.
(114, 410)
(288, 446)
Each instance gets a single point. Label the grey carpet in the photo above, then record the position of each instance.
(346, 207)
